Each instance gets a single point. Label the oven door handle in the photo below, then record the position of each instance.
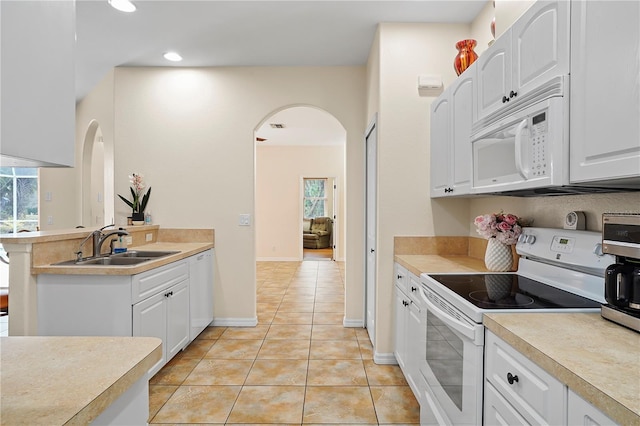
(467, 330)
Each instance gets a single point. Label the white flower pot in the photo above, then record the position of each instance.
(498, 256)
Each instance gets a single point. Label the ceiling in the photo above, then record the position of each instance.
(242, 33)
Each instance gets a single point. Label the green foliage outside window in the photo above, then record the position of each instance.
(315, 198)
(18, 199)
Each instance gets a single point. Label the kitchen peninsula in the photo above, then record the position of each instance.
(36, 253)
(76, 380)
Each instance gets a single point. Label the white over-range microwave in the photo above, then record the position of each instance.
(525, 147)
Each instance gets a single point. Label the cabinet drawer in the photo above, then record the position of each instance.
(148, 283)
(497, 411)
(401, 278)
(413, 290)
(534, 393)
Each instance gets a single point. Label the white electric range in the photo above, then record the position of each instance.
(559, 271)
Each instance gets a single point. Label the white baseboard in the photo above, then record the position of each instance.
(353, 323)
(235, 322)
(388, 358)
(277, 259)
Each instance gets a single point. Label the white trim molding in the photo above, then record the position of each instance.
(388, 358)
(235, 322)
(353, 323)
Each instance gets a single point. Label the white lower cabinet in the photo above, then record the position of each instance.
(155, 303)
(527, 389)
(165, 315)
(408, 327)
(518, 392)
(581, 412)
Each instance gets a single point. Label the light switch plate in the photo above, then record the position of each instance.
(149, 237)
(128, 240)
(245, 220)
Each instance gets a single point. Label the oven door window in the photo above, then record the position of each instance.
(452, 369)
(445, 357)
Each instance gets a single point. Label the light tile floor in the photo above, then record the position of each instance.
(299, 365)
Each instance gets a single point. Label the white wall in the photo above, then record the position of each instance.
(66, 185)
(404, 204)
(279, 170)
(190, 132)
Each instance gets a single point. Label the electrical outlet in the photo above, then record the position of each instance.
(49, 220)
(128, 240)
(245, 220)
(48, 196)
(148, 237)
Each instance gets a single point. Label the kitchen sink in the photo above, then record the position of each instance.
(116, 261)
(143, 253)
(128, 258)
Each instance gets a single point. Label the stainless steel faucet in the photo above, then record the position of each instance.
(98, 239)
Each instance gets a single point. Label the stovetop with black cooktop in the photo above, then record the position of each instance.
(511, 291)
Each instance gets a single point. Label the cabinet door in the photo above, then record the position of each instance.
(540, 45)
(494, 76)
(605, 100)
(580, 412)
(38, 82)
(150, 320)
(200, 292)
(401, 325)
(462, 115)
(440, 136)
(177, 318)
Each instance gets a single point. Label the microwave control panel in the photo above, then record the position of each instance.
(538, 138)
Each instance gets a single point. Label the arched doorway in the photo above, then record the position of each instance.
(299, 147)
(97, 178)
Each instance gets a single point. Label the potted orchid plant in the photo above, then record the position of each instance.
(139, 199)
(501, 230)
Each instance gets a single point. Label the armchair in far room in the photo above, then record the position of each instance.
(317, 232)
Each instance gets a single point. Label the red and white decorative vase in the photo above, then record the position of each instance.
(466, 55)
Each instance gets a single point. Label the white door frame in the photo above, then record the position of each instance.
(370, 225)
(331, 180)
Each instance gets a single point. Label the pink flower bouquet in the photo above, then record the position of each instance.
(505, 228)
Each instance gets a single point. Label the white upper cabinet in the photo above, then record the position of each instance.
(494, 75)
(452, 116)
(37, 42)
(440, 137)
(534, 50)
(540, 45)
(605, 92)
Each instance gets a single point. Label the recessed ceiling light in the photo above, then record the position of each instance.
(123, 5)
(172, 56)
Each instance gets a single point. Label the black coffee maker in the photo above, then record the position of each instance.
(621, 237)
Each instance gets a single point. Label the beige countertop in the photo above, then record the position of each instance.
(69, 380)
(184, 250)
(419, 264)
(597, 359)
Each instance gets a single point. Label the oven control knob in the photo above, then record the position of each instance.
(530, 239)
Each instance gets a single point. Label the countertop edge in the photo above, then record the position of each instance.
(126, 270)
(92, 410)
(598, 398)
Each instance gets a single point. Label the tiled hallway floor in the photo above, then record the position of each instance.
(299, 365)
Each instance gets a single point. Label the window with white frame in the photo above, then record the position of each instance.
(315, 198)
(18, 199)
